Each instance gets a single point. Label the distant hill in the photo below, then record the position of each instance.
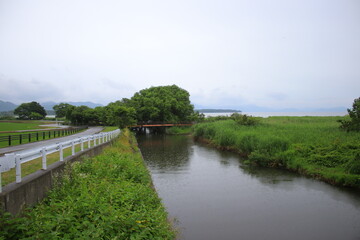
(7, 106)
(49, 105)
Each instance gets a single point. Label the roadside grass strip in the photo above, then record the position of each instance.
(109, 196)
(36, 164)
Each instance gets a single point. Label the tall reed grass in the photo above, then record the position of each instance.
(312, 145)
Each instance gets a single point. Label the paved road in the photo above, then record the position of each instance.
(89, 131)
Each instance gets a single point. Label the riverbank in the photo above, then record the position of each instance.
(314, 146)
(109, 196)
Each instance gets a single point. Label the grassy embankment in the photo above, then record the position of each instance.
(109, 196)
(313, 146)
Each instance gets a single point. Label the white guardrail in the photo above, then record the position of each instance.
(14, 160)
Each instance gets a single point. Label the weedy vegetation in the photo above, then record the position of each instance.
(178, 130)
(314, 146)
(109, 196)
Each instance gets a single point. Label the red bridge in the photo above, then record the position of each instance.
(148, 125)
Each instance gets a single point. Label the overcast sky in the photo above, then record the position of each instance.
(271, 53)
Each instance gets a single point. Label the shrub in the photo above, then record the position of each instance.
(354, 123)
(243, 119)
(353, 166)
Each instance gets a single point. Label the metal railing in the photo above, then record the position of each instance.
(39, 135)
(14, 160)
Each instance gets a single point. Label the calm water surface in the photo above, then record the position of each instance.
(211, 195)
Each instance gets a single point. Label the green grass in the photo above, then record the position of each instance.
(311, 145)
(36, 164)
(21, 125)
(109, 196)
(178, 130)
(109, 128)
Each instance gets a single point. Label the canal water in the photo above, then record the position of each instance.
(211, 194)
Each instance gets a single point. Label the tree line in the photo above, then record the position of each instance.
(154, 104)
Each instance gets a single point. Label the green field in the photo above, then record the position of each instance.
(314, 146)
(21, 125)
(109, 196)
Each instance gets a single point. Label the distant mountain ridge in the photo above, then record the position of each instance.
(9, 106)
(255, 108)
(50, 105)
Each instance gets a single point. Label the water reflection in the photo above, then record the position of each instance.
(214, 196)
(164, 152)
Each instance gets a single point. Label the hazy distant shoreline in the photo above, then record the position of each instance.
(290, 114)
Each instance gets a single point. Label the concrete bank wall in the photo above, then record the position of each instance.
(34, 187)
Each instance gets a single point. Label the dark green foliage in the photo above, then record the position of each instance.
(155, 104)
(354, 123)
(353, 166)
(106, 197)
(30, 111)
(120, 114)
(162, 104)
(266, 153)
(243, 119)
(62, 109)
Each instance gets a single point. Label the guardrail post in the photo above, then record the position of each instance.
(18, 168)
(9, 140)
(103, 137)
(89, 143)
(82, 144)
(61, 153)
(43, 152)
(94, 140)
(72, 148)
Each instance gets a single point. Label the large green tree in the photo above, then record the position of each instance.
(120, 114)
(354, 113)
(162, 104)
(62, 109)
(83, 115)
(30, 111)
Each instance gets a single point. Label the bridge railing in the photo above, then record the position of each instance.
(164, 124)
(14, 160)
